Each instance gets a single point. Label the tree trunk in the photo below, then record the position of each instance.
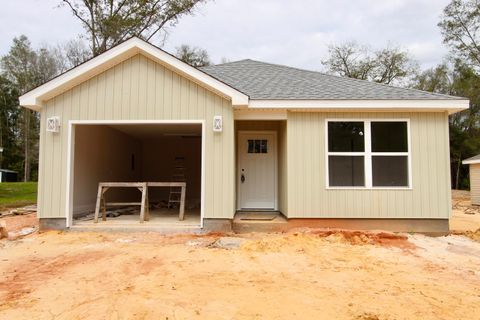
(26, 172)
(459, 162)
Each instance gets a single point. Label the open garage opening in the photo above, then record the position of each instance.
(136, 153)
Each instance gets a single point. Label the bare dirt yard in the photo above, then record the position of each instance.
(465, 217)
(303, 274)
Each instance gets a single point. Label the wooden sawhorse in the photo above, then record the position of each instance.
(104, 186)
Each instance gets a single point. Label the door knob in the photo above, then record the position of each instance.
(242, 178)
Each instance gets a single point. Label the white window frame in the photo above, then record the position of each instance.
(367, 154)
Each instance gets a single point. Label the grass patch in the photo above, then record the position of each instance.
(17, 194)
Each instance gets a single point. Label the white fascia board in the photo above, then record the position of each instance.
(451, 106)
(260, 114)
(471, 161)
(34, 98)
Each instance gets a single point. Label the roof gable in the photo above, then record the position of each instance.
(35, 98)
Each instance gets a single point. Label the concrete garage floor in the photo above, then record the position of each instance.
(159, 219)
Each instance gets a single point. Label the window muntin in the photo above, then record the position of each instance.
(385, 154)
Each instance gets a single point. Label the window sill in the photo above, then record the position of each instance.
(370, 189)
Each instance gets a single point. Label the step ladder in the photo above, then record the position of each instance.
(179, 175)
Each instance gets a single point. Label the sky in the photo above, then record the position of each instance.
(295, 33)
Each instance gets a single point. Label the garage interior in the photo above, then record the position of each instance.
(137, 153)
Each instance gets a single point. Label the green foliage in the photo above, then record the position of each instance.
(460, 80)
(23, 68)
(437, 79)
(16, 194)
(9, 129)
(196, 57)
(109, 22)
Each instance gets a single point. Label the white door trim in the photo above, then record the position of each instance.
(275, 161)
(71, 155)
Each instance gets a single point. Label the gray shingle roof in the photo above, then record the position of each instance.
(266, 81)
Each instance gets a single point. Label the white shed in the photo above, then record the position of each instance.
(474, 163)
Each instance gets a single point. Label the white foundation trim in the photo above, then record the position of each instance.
(71, 151)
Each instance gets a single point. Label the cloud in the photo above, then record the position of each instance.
(298, 32)
(42, 21)
(289, 32)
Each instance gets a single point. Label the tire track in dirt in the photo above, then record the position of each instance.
(22, 277)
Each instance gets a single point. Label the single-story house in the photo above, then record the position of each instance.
(474, 165)
(320, 149)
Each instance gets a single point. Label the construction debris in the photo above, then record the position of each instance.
(461, 201)
(110, 213)
(228, 243)
(474, 235)
(19, 211)
(3, 230)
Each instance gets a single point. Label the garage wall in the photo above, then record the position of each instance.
(308, 197)
(138, 89)
(99, 157)
(159, 162)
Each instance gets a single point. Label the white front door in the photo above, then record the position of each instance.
(256, 174)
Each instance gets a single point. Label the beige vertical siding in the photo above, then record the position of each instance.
(475, 183)
(307, 193)
(139, 89)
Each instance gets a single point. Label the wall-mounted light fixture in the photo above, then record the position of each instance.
(217, 124)
(53, 124)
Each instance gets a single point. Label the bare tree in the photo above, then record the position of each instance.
(349, 60)
(460, 27)
(194, 56)
(70, 54)
(392, 64)
(109, 22)
(352, 60)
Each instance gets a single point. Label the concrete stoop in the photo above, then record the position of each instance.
(278, 224)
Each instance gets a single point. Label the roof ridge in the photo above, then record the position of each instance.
(228, 62)
(345, 78)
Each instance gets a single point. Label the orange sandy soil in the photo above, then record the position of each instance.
(302, 275)
(307, 274)
(465, 217)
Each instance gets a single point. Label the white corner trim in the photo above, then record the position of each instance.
(374, 105)
(34, 98)
(471, 161)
